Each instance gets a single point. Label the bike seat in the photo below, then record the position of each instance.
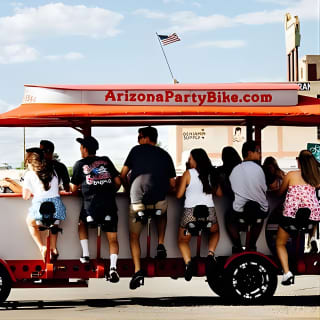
(250, 213)
(147, 213)
(47, 210)
(103, 222)
(201, 213)
(302, 222)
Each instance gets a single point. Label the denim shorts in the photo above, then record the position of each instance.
(60, 213)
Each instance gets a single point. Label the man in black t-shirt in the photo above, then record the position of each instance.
(61, 170)
(98, 180)
(148, 173)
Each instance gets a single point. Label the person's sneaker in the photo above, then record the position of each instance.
(287, 279)
(113, 275)
(84, 259)
(236, 250)
(189, 271)
(211, 263)
(161, 251)
(137, 280)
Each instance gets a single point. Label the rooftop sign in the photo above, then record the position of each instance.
(171, 96)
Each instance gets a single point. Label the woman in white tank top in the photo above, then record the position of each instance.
(195, 185)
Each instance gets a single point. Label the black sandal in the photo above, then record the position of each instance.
(161, 252)
(137, 280)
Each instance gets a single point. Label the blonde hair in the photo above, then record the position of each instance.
(43, 169)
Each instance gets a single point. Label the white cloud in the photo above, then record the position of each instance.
(184, 21)
(67, 56)
(226, 44)
(4, 106)
(188, 21)
(279, 2)
(262, 17)
(196, 4)
(263, 79)
(52, 20)
(17, 53)
(150, 14)
(58, 19)
(172, 1)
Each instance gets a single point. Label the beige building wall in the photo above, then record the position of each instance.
(305, 76)
(303, 67)
(283, 143)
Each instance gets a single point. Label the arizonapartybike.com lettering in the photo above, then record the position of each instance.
(192, 98)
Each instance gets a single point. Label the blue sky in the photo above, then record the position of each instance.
(102, 41)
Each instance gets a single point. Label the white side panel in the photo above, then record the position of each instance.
(17, 244)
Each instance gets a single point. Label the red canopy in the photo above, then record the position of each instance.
(305, 113)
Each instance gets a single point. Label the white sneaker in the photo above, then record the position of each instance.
(113, 275)
(84, 259)
(287, 279)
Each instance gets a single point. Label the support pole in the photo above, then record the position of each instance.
(174, 80)
(249, 132)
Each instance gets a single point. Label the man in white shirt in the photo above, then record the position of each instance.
(248, 183)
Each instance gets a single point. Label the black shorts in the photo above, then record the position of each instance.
(236, 217)
(289, 224)
(111, 226)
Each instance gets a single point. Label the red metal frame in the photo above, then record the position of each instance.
(233, 257)
(7, 267)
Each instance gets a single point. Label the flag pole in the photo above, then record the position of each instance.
(174, 80)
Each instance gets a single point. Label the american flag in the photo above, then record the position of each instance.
(165, 40)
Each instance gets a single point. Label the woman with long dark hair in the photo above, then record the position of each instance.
(42, 182)
(195, 185)
(301, 193)
(274, 175)
(230, 158)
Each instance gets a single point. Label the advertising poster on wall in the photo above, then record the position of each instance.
(314, 148)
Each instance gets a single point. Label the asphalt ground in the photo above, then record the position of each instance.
(159, 298)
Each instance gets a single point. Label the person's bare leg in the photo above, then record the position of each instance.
(36, 236)
(53, 241)
(213, 237)
(113, 242)
(161, 227)
(183, 244)
(83, 230)
(135, 250)
(53, 246)
(281, 241)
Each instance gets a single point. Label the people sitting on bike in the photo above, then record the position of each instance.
(154, 169)
(60, 169)
(98, 180)
(274, 175)
(301, 187)
(249, 185)
(230, 159)
(195, 185)
(41, 181)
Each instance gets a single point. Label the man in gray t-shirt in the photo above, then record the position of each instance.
(248, 183)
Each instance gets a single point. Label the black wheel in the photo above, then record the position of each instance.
(215, 278)
(5, 284)
(250, 278)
